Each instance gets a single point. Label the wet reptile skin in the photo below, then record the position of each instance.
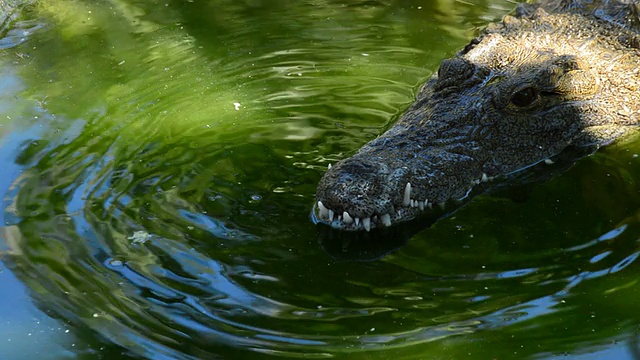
(556, 75)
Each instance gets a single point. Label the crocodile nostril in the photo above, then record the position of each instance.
(352, 185)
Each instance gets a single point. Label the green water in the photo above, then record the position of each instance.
(158, 163)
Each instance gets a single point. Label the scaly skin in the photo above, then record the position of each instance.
(558, 75)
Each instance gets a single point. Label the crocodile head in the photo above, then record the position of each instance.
(520, 94)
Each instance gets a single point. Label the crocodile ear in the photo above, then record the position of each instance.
(577, 82)
(575, 77)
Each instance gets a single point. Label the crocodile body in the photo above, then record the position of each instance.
(557, 75)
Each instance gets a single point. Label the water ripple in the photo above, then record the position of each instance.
(158, 183)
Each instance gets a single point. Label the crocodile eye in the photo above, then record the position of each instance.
(524, 97)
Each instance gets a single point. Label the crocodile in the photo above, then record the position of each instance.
(551, 77)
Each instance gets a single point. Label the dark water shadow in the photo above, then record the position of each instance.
(367, 246)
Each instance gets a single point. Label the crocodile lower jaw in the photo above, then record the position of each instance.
(410, 209)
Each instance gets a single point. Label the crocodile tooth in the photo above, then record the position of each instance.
(413, 203)
(485, 178)
(357, 220)
(386, 219)
(366, 223)
(407, 195)
(324, 212)
(329, 166)
(347, 218)
(421, 205)
(548, 161)
(330, 215)
(339, 217)
(429, 204)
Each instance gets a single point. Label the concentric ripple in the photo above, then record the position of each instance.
(159, 163)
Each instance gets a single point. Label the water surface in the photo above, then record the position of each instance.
(159, 162)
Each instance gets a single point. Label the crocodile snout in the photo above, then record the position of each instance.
(353, 185)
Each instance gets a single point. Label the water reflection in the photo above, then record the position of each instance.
(160, 163)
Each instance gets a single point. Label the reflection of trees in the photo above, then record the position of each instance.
(383, 19)
(118, 58)
(157, 141)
